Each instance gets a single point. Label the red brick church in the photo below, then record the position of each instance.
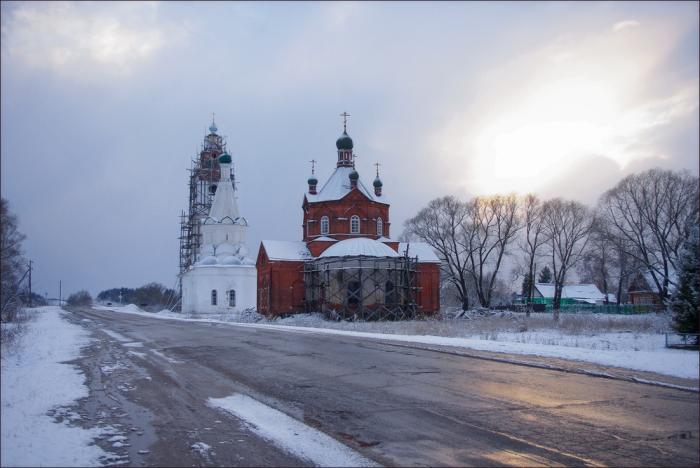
(347, 265)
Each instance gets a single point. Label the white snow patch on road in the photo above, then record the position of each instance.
(204, 450)
(637, 351)
(134, 344)
(161, 355)
(289, 434)
(117, 336)
(35, 379)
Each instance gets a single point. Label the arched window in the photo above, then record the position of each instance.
(213, 297)
(324, 225)
(232, 298)
(380, 227)
(354, 224)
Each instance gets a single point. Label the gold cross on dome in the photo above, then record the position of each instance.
(345, 116)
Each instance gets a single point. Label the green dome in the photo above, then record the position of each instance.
(344, 142)
(377, 182)
(312, 180)
(354, 175)
(225, 159)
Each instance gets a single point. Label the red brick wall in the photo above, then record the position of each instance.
(280, 285)
(428, 282)
(339, 213)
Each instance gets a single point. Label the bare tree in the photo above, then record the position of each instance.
(532, 239)
(651, 211)
(491, 225)
(567, 224)
(11, 262)
(596, 264)
(441, 225)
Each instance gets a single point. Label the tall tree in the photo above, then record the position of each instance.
(651, 212)
(491, 225)
(567, 224)
(686, 300)
(12, 264)
(441, 225)
(532, 239)
(596, 264)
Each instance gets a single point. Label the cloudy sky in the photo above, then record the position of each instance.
(105, 104)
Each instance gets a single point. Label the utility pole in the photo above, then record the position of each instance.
(60, 300)
(30, 283)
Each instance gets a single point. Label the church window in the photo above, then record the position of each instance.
(213, 297)
(232, 298)
(324, 225)
(380, 227)
(354, 224)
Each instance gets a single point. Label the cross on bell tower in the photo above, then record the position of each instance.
(345, 145)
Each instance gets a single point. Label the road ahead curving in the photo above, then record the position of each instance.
(395, 405)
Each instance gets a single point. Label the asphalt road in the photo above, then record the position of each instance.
(396, 405)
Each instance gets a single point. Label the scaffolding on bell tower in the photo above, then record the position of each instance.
(204, 174)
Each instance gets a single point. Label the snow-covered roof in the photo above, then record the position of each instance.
(385, 239)
(359, 246)
(338, 185)
(423, 251)
(286, 250)
(584, 292)
(324, 238)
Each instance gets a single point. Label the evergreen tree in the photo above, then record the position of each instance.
(545, 275)
(685, 303)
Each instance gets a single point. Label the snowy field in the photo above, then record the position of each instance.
(627, 341)
(35, 380)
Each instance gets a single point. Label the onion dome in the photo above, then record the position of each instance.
(212, 127)
(210, 260)
(225, 159)
(377, 182)
(312, 180)
(344, 142)
(354, 175)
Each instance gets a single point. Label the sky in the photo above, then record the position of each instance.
(105, 104)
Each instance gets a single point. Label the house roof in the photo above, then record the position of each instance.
(286, 250)
(338, 185)
(583, 292)
(423, 251)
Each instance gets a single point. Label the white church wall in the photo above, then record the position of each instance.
(198, 283)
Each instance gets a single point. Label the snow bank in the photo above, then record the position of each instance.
(289, 434)
(35, 380)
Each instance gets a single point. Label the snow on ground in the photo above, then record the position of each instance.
(289, 434)
(36, 380)
(116, 336)
(627, 341)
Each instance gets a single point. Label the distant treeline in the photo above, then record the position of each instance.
(148, 295)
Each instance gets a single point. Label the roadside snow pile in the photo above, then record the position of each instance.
(35, 380)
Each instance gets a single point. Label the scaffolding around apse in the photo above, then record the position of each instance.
(362, 288)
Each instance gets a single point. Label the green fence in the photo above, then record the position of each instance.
(570, 306)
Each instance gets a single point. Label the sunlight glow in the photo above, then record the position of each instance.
(554, 108)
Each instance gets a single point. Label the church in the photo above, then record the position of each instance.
(221, 278)
(347, 266)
